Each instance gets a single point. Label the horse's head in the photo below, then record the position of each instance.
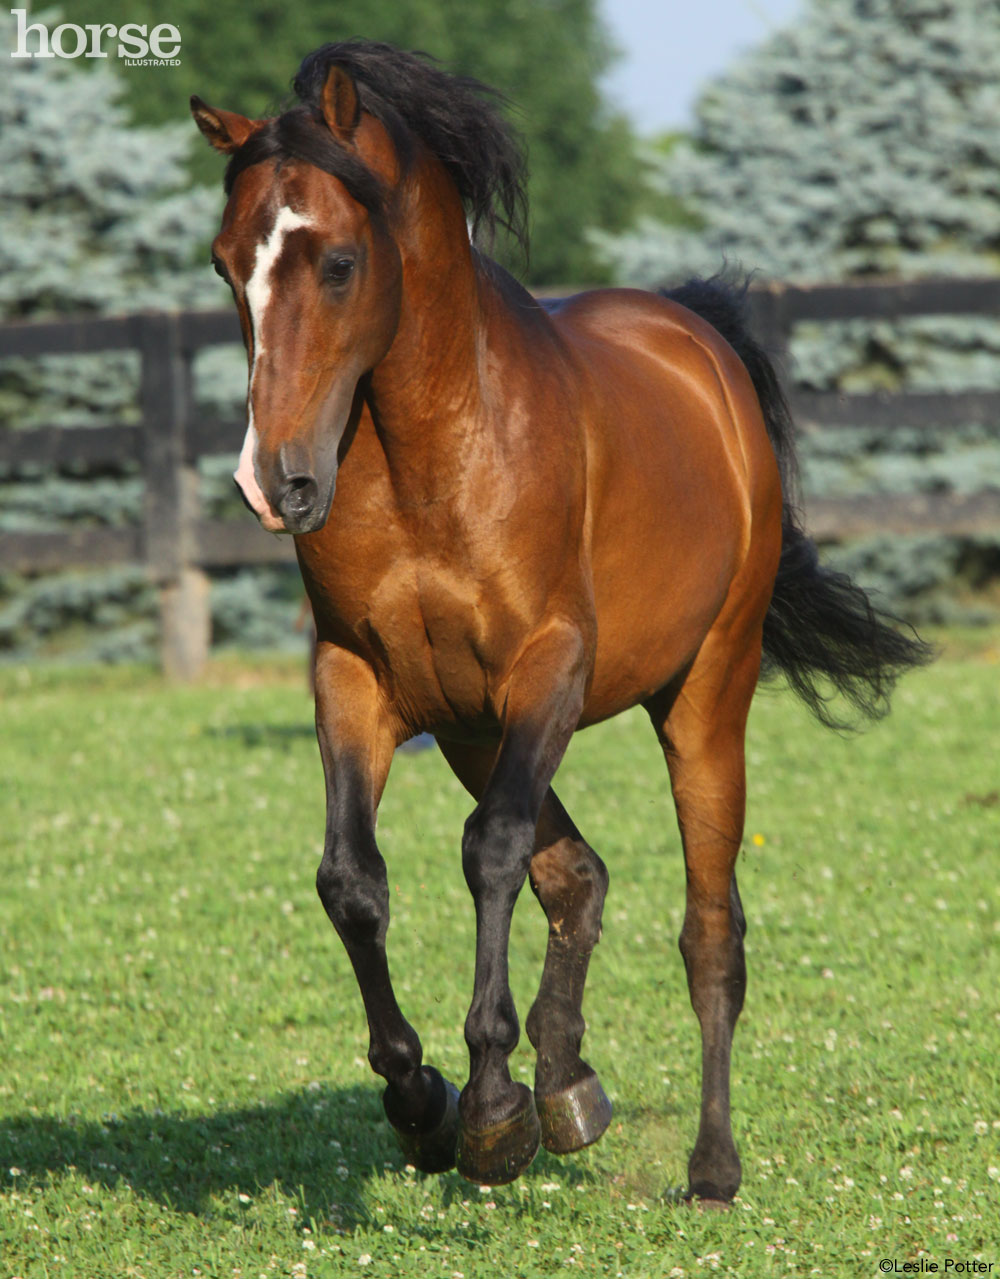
(377, 169)
(306, 249)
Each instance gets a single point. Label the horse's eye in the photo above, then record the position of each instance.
(337, 269)
(220, 270)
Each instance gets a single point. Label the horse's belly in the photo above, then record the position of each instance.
(640, 650)
(663, 565)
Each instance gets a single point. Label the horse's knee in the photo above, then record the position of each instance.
(712, 939)
(355, 895)
(496, 848)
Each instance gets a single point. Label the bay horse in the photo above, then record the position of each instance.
(513, 520)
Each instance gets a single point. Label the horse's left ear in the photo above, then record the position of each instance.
(341, 107)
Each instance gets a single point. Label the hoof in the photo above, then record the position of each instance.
(499, 1154)
(432, 1150)
(708, 1205)
(709, 1197)
(575, 1117)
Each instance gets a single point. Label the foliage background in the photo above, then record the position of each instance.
(879, 161)
(545, 56)
(860, 142)
(100, 216)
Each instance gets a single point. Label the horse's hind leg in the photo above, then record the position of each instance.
(356, 744)
(701, 729)
(570, 881)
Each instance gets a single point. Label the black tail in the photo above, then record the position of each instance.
(822, 631)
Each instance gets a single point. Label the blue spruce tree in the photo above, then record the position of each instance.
(99, 216)
(860, 142)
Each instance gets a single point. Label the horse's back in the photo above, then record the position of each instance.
(684, 492)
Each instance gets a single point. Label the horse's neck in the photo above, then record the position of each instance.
(426, 394)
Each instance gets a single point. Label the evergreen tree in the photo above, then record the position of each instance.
(98, 216)
(95, 212)
(546, 56)
(861, 140)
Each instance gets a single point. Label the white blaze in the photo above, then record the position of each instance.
(258, 297)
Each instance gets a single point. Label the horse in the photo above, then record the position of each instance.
(514, 520)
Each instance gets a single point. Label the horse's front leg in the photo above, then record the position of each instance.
(499, 1129)
(357, 740)
(570, 881)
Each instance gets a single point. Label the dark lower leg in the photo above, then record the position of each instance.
(357, 739)
(355, 894)
(702, 734)
(495, 861)
(494, 878)
(712, 946)
(541, 708)
(499, 1131)
(570, 881)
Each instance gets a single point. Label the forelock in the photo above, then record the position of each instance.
(302, 134)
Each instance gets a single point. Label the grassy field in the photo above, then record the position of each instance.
(184, 1090)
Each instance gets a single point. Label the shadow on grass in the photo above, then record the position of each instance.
(278, 734)
(264, 734)
(320, 1148)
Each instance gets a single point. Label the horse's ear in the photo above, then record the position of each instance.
(341, 107)
(225, 130)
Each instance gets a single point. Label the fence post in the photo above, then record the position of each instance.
(171, 501)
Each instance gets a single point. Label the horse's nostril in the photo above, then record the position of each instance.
(299, 497)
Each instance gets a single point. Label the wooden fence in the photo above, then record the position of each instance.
(776, 310)
(176, 545)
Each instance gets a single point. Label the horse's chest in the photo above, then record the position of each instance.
(433, 643)
(438, 627)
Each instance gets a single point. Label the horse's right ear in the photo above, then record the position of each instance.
(225, 130)
(341, 106)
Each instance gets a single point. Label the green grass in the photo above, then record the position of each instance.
(184, 1089)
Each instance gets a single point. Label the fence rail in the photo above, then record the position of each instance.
(176, 545)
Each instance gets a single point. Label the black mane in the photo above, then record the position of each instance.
(455, 116)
